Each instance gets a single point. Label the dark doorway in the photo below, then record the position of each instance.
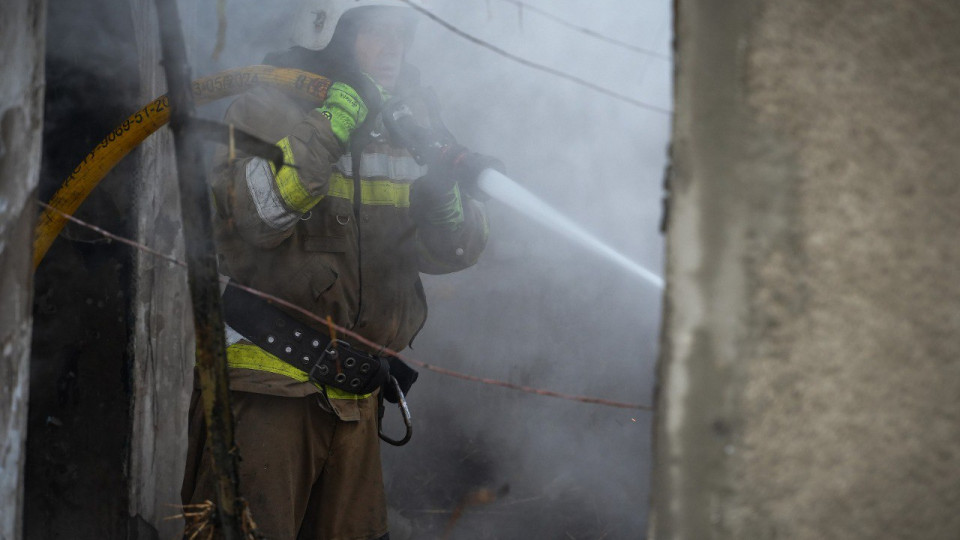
(79, 419)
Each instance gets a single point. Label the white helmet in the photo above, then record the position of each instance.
(316, 20)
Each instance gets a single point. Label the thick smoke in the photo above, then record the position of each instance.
(536, 310)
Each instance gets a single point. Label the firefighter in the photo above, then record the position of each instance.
(343, 229)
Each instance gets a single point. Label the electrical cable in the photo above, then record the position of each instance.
(584, 30)
(354, 335)
(540, 67)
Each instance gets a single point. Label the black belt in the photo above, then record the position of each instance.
(331, 362)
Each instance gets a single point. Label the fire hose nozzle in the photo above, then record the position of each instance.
(437, 149)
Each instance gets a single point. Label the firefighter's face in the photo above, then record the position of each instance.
(382, 39)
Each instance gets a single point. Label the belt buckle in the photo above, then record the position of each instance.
(344, 367)
(359, 365)
(320, 371)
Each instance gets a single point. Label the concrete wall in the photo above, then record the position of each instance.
(163, 341)
(21, 119)
(810, 371)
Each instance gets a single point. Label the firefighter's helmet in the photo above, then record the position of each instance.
(317, 20)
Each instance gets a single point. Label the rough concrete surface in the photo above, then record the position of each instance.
(21, 119)
(811, 363)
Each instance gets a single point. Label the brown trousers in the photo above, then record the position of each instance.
(305, 474)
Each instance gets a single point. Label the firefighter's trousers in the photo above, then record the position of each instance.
(305, 474)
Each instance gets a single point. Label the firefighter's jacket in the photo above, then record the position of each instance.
(309, 236)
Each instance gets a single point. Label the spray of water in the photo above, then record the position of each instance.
(515, 196)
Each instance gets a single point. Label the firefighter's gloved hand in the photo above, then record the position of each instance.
(349, 101)
(344, 109)
(435, 203)
(437, 197)
(405, 376)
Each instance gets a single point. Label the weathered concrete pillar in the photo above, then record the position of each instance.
(163, 341)
(810, 371)
(21, 120)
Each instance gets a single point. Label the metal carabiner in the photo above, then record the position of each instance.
(404, 410)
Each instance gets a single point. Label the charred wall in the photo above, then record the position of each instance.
(80, 393)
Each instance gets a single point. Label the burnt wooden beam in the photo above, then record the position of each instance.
(201, 274)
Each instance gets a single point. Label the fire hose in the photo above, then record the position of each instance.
(141, 124)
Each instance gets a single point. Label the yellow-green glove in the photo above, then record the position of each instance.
(345, 110)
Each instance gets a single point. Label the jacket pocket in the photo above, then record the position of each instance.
(322, 280)
(329, 227)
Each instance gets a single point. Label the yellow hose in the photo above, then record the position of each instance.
(143, 123)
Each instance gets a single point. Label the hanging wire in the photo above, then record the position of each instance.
(221, 29)
(354, 335)
(540, 67)
(523, 6)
